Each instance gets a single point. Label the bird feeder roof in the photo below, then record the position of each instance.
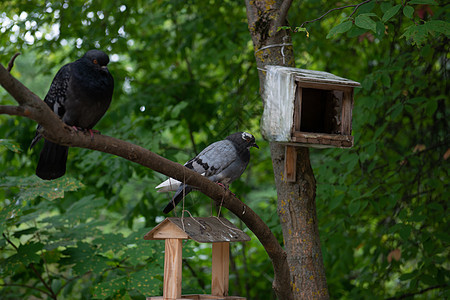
(202, 230)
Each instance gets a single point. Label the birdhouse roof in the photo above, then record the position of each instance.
(202, 230)
(303, 75)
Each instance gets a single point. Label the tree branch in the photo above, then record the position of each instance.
(356, 6)
(56, 131)
(282, 13)
(11, 62)
(13, 110)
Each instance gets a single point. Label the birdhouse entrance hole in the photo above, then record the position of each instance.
(322, 114)
(318, 115)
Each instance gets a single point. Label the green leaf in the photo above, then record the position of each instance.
(430, 2)
(27, 253)
(32, 187)
(427, 279)
(353, 207)
(418, 34)
(390, 13)
(431, 107)
(364, 21)
(408, 276)
(335, 201)
(146, 281)
(386, 79)
(85, 259)
(417, 100)
(397, 110)
(8, 213)
(438, 26)
(10, 145)
(110, 288)
(408, 11)
(341, 28)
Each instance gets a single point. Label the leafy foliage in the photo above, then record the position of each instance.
(185, 76)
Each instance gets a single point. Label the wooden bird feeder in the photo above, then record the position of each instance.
(308, 109)
(218, 231)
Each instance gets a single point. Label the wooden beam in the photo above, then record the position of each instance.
(220, 268)
(172, 269)
(290, 164)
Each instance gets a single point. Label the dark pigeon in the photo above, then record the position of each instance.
(222, 162)
(80, 95)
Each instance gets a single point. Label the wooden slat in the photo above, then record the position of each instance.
(346, 118)
(322, 140)
(290, 163)
(220, 268)
(314, 135)
(298, 109)
(172, 269)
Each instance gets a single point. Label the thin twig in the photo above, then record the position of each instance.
(11, 62)
(419, 292)
(356, 6)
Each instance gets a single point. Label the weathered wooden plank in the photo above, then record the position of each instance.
(290, 163)
(298, 109)
(347, 106)
(328, 136)
(220, 268)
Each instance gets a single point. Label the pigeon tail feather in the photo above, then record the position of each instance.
(52, 161)
(168, 186)
(182, 191)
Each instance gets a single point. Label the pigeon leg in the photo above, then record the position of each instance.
(226, 187)
(92, 131)
(222, 185)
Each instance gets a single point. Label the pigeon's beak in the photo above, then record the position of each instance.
(104, 69)
(256, 146)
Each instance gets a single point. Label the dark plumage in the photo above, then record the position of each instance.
(222, 162)
(79, 94)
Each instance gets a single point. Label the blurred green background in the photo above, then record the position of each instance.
(185, 76)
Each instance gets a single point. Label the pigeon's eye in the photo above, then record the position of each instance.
(95, 61)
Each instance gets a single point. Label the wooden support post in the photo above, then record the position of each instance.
(172, 269)
(220, 268)
(290, 164)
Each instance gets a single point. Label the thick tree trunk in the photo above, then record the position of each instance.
(296, 201)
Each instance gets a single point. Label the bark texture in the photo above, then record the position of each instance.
(296, 201)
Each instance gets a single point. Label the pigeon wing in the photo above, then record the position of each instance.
(56, 97)
(214, 159)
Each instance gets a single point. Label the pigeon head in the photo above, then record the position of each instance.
(243, 140)
(97, 59)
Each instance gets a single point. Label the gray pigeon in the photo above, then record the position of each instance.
(80, 95)
(222, 162)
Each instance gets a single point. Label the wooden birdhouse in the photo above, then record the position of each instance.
(218, 231)
(307, 108)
